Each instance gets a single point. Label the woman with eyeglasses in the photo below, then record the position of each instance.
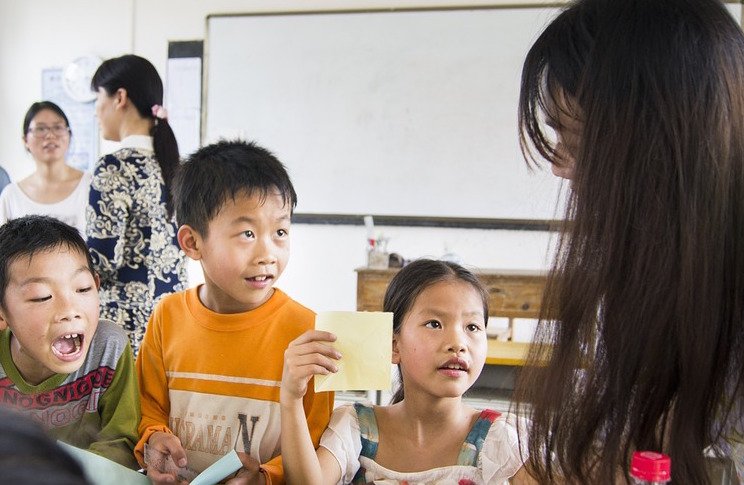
(55, 188)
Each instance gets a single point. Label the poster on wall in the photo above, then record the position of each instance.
(83, 150)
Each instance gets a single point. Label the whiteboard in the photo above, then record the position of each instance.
(401, 113)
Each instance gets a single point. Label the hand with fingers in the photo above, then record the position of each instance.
(309, 354)
(169, 446)
(249, 474)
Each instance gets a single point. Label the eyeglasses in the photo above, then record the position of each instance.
(42, 131)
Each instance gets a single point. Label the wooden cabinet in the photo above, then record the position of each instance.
(512, 294)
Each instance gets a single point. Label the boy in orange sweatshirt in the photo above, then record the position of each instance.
(210, 364)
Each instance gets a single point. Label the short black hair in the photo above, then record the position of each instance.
(28, 235)
(40, 106)
(226, 169)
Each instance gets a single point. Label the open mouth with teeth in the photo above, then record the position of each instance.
(259, 282)
(262, 277)
(68, 347)
(454, 368)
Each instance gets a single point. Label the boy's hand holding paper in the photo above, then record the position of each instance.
(220, 469)
(365, 342)
(163, 463)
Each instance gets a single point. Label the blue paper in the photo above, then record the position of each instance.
(227, 465)
(99, 469)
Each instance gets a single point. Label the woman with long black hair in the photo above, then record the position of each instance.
(640, 103)
(131, 229)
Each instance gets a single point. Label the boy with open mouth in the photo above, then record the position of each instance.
(58, 363)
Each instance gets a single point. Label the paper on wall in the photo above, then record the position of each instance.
(365, 342)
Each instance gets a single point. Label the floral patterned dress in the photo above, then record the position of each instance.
(131, 238)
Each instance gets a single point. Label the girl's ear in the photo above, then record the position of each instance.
(3, 322)
(396, 355)
(121, 98)
(190, 241)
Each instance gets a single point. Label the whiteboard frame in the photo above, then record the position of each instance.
(390, 220)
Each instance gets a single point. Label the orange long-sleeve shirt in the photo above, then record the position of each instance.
(213, 379)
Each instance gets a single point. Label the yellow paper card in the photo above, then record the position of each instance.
(365, 340)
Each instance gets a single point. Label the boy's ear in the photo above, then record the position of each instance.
(190, 241)
(3, 322)
(97, 279)
(396, 356)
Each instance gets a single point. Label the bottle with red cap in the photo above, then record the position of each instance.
(650, 468)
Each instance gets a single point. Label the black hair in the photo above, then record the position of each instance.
(640, 344)
(29, 235)
(414, 278)
(41, 106)
(29, 456)
(224, 170)
(144, 89)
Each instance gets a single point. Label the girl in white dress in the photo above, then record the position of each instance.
(54, 189)
(428, 434)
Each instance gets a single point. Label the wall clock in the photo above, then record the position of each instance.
(76, 78)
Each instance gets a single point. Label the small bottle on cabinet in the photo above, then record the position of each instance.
(650, 468)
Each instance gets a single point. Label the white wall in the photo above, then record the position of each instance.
(321, 269)
(43, 33)
(46, 33)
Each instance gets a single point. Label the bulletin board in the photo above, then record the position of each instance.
(404, 114)
(83, 151)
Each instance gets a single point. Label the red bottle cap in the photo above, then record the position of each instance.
(651, 466)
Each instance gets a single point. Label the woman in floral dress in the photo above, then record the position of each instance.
(131, 229)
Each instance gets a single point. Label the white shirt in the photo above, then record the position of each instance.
(14, 203)
(499, 458)
(143, 142)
